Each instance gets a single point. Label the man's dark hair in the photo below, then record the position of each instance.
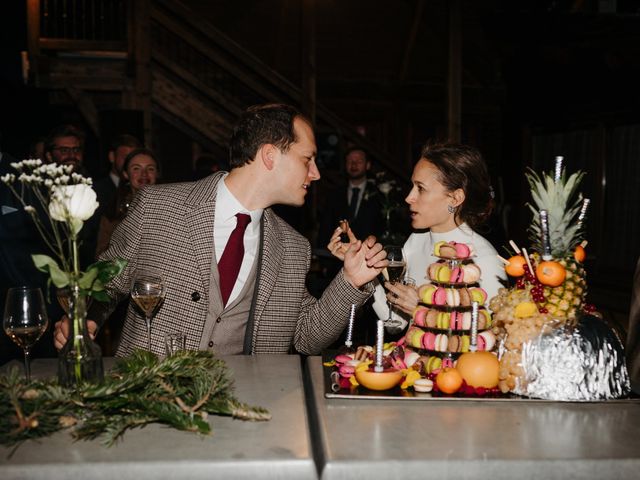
(63, 131)
(260, 125)
(124, 140)
(355, 148)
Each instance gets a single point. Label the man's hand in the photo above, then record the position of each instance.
(363, 261)
(61, 331)
(337, 248)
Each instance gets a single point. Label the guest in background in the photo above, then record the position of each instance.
(633, 337)
(139, 169)
(65, 146)
(106, 187)
(36, 148)
(450, 198)
(354, 199)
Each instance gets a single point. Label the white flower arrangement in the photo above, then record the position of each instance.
(69, 201)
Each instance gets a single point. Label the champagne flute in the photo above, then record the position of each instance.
(395, 272)
(25, 319)
(147, 292)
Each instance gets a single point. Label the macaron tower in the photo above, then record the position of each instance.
(441, 326)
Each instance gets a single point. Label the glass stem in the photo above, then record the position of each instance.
(148, 322)
(27, 364)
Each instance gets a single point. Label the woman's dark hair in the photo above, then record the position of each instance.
(135, 153)
(260, 125)
(462, 167)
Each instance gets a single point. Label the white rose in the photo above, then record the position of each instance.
(73, 203)
(385, 188)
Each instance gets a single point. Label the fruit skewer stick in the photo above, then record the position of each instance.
(584, 243)
(514, 246)
(583, 211)
(503, 260)
(526, 257)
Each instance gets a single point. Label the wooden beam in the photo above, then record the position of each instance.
(142, 60)
(308, 59)
(87, 108)
(33, 32)
(454, 84)
(411, 40)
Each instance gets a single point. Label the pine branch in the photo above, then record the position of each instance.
(180, 391)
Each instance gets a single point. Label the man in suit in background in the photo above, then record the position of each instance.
(234, 271)
(105, 187)
(355, 200)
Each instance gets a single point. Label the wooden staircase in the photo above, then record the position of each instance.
(157, 57)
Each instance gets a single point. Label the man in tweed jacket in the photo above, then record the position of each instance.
(171, 228)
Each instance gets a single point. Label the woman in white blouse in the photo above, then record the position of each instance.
(449, 199)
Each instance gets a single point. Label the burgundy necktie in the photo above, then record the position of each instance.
(229, 264)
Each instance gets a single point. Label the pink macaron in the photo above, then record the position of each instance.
(462, 250)
(457, 275)
(420, 315)
(429, 341)
(486, 340)
(456, 319)
(440, 296)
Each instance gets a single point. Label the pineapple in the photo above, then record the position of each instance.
(562, 202)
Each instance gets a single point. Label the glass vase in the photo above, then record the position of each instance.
(80, 359)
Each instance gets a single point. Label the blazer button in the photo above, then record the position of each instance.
(211, 344)
(195, 296)
(218, 320)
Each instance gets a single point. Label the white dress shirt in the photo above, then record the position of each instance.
(227, 206)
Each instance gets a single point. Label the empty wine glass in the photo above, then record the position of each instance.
(395, 272)
(25, 319)
(147, 292)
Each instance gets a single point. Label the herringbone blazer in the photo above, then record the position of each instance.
(170, 227)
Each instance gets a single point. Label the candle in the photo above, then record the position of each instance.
(583, 211)
(546, 239)
(352, 316)
(558, 171)
(473, 344)
(379, 345)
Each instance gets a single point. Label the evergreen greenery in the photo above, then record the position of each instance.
(179, 391)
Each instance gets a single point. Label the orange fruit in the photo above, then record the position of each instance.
(449, 380)
(517, 266)
(579, 254)
(550, 273)
(479, 369)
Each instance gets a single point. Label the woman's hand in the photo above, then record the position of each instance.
(402, 297)
(336, 246)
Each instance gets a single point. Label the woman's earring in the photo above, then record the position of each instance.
(451, 209)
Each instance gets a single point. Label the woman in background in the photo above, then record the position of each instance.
(450, 198)
(140, 168)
